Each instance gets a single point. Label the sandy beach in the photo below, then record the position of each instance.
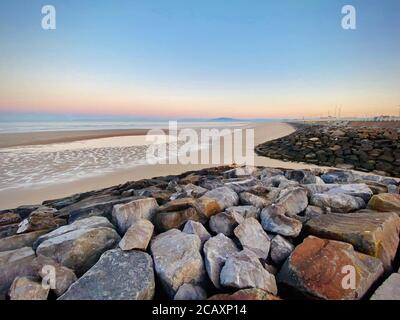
(15, 197)
(47, 137)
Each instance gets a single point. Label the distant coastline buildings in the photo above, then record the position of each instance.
(336, 121)
(386, 118)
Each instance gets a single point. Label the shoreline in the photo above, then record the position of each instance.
(19, 139)
(38, 194)
(366, 149)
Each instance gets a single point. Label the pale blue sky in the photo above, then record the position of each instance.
(198, 58)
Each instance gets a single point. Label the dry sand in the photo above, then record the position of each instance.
(12, 199)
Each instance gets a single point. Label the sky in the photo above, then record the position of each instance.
(200, 58)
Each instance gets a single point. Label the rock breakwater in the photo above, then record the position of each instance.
(368, 149)
(220, 233)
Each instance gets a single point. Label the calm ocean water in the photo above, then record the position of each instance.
(31, 166)
(37, 126)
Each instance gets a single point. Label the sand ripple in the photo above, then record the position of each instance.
(29, 166)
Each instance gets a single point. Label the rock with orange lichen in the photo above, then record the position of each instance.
(385, 202)
(370, 232)
(176, 213)
(207, 207)
(225, 197)
(324, 269)
(246, 294)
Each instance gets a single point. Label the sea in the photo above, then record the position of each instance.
(32, 166)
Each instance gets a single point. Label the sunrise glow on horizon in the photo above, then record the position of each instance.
(248, 59)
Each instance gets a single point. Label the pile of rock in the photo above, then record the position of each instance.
(220, 233)
(365, 149)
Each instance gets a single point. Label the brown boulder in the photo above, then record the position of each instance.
(174, 220)
(372, 233)
(41, 219)
(64, 276)
(318, 268)
(15, 263)
(376, 187)
(177, 212)
(20, 240)
(26, 288)
(207, 206)
(385, 202)
(9, 217)
(225, 197)
(8, 230)
(191, 178)
(177, 205)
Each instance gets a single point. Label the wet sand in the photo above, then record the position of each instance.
(35, 195)
(47, 137)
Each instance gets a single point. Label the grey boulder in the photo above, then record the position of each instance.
(125, 214)
(86, 223)
(294, 200)
(247, 198)
(245, 211)
(20, 240)
(273, 219)
(177, 260)
(252, 237)
(389, 290)
(194, 227)
(79, 249)
(360, 190)
(118, 275)
(225, 197)
(225, 222)
(216, 250)
(137, 236)
(190, 292)
(280, 249)
(243, 270)
(341, 203)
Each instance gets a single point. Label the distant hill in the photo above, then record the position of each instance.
(222, 119)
